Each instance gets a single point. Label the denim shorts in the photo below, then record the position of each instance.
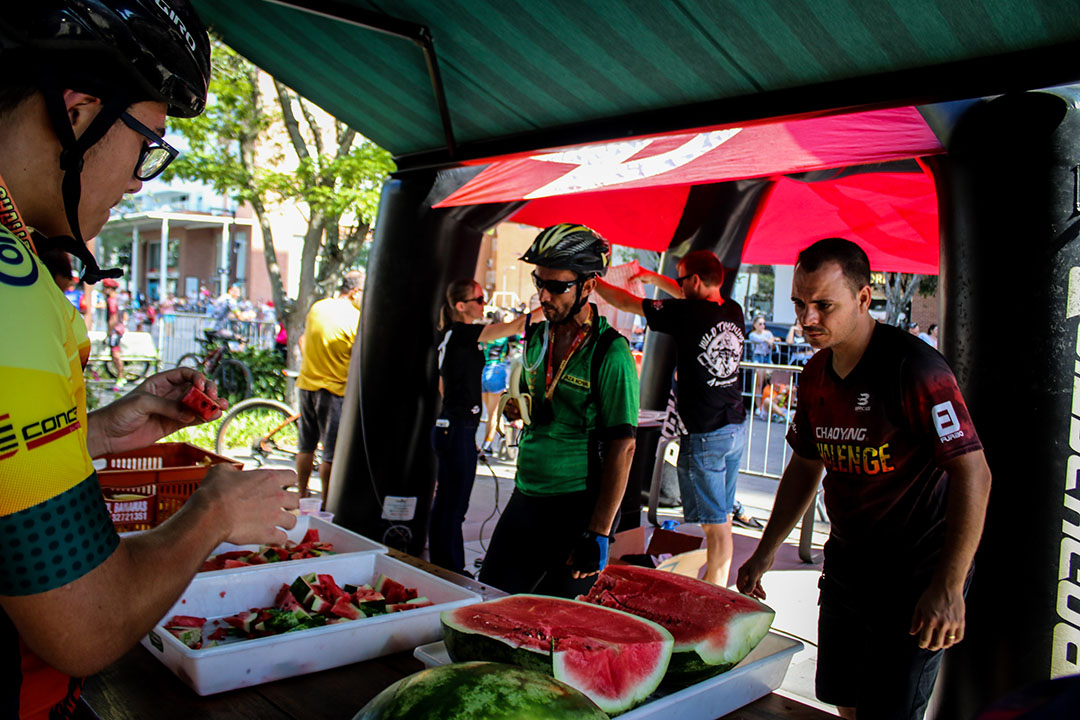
(494, 379)
(708, 471)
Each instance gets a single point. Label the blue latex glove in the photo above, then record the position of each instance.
(590, 553)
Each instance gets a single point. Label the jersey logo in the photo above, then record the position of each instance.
(721, 351)
(946, 422)
(9, 441)
(862, 403)
(16, 266)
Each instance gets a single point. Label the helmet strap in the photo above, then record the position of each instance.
(72, 155)
(579, 302)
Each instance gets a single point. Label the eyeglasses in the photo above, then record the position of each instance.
(554, 287)
(683, 278)
(155, 156)
(479, 299)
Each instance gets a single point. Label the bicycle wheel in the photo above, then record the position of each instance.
(190, 360)
(264, 432)
(234, 380)
(134, 370)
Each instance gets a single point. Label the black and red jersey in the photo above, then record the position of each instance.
(883, 432)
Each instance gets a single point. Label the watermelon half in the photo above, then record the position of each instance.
(714, 628)
(616, 659)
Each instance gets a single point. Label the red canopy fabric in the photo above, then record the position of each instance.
(633, 192)
(892, 216)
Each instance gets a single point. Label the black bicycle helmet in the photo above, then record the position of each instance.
(568, 246)
(122, 51)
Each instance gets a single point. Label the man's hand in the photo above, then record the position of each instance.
(251, 506)
(749, 579)
(511, 411)
(938, 619)
(148, 413)
(590, 554)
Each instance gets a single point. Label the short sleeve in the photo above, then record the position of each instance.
(618, 392)
(934, 407)
(661, 315)
(800, 435)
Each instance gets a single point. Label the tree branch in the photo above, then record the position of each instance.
(293, 127)
(310, 118)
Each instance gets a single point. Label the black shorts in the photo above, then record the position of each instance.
(866, 657)
(113, 340)
(320, 411)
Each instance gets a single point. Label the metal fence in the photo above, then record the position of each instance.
(179, 333)
(768, 416)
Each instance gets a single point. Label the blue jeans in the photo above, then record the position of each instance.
(708, 472)
(454, 442)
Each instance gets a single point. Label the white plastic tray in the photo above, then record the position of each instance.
(760, 672)
(252, 662)
(345, 542)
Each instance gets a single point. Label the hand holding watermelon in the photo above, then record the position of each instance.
(148, 413)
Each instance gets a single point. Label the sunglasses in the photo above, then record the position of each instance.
(155, 155)
(554, 287)
(683, 278)
(479, 299)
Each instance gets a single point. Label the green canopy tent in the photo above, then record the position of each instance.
(459, 82)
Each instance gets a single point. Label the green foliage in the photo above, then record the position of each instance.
(266, 367)
(203, 436)
(928, 286)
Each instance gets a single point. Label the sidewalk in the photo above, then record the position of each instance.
(791, 585)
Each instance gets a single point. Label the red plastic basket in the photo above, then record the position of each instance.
(142, 488)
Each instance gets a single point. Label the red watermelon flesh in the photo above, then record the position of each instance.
(616, 659)
(714, 628)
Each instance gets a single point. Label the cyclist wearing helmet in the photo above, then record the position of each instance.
(574, 455)
(86, 88)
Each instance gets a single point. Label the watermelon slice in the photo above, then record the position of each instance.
(392, 590)
(714, 628)
(200, 403)
(616, 659)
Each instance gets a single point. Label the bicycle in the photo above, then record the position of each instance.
(264, 431)
(233, 377)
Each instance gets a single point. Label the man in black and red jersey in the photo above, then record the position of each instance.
(906, 486)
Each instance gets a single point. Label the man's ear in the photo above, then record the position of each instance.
(589, 285)
(81, 110)
(865, 296)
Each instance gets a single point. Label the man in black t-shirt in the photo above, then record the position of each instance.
(708, 332)
(906, 488)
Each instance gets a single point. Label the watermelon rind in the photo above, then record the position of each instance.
(480, 691)
(656, 595)
(463, 643)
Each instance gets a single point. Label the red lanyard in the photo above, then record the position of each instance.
(11, 219)
(578, 339)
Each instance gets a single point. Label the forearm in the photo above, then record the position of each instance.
(796, 491)
(619, 298)
(96, 442)
(494, 331)
(969, 493)
(663, 282)
(83, 626)
(613, 476)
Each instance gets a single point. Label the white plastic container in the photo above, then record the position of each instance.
(760, 672)
(345, 542)
(252, 662)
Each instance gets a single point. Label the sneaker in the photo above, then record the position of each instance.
(747, 521)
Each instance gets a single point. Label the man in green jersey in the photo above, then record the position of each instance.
(575, 452)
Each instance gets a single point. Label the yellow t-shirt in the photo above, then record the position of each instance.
(328, 340)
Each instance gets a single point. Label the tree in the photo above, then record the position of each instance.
(899, 289)
(328, 169)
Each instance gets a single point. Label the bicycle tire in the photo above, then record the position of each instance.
(190, 360)
(134, 370)
(234, 380)
(260, 430)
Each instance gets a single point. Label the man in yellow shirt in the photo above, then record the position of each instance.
(330, 330)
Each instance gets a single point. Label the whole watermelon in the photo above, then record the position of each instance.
(480, 691)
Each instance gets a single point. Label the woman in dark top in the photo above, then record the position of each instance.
(461, 363)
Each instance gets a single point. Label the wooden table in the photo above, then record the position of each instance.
(138, 687)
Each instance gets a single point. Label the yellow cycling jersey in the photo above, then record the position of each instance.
(328, 339)
(54, 526)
